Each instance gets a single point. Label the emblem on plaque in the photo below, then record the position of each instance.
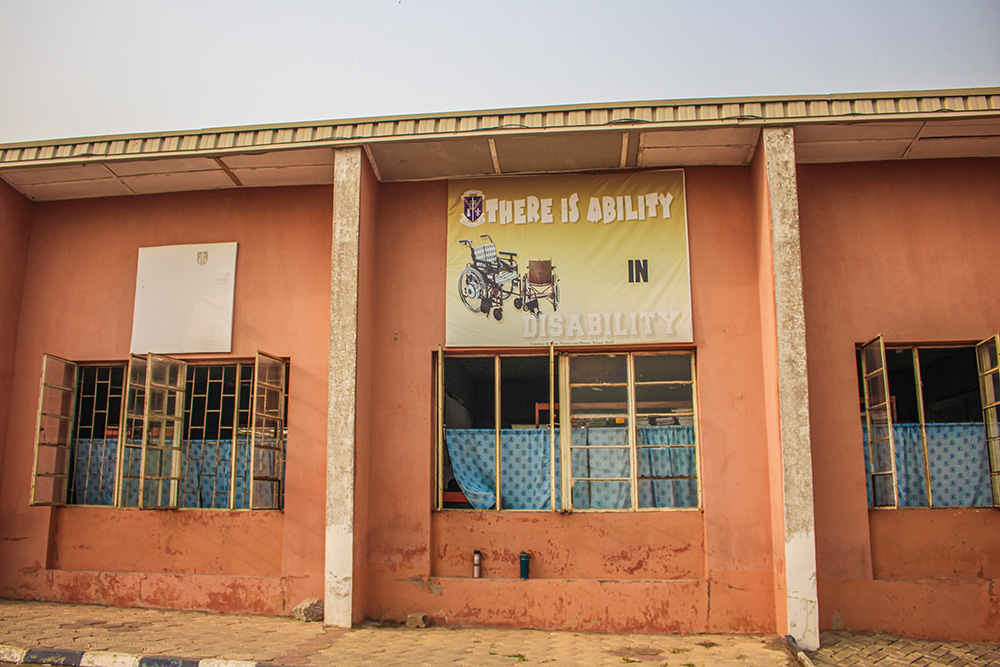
(202, 257)
(472, 208)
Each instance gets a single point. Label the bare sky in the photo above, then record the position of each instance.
(75, 68)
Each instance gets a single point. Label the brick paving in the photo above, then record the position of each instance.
(120, 637)
(864, 650)
(124, 635)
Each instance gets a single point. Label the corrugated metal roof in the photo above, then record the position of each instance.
(968, 103)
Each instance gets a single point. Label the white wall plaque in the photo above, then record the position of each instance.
(184, 299)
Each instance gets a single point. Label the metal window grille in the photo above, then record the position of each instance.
(95, 444)
(152, 435)
(216, 424)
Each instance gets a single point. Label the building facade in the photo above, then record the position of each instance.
(736, 359)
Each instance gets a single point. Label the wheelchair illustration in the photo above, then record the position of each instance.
(493, 276)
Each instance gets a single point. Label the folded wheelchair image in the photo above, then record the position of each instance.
(493, 276)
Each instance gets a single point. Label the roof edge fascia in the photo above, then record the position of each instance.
(78, 150)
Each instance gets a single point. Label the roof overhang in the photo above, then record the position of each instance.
(834, 128)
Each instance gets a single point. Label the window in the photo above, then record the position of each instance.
(930, 424)
(216, 424)
(626, 439)
(988, 361)
(94, 461)
(150, 441)
(158, 432)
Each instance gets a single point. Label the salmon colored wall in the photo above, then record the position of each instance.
(408, 305)
(15, 224)
(78, 298)
(908, 250)
(610, 571)
(366, 328)
(190, 539)
(769, 356)
(966, 544)
(726, 314)
(583, 547)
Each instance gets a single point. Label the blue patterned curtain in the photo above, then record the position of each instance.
(524, 466)
(94, 463)
(205, 483)
(958, 466)
(525, 463)
(207, 466)
(600, 453)
(665, 452)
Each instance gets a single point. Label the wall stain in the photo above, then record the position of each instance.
(424, 585)
(404, 558)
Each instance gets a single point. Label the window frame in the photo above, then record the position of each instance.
(987, 368)
(267, 414)
(153, 436)
(873, 404)
(560, 364)
(61, 451)
(988, 364)
(93, 380)
(239, 433)
(162, 386)
(552, 357)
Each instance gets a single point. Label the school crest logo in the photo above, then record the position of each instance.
(472, 208)
(202, 257)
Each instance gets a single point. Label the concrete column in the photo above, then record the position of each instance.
(339, 562)
(793, 388)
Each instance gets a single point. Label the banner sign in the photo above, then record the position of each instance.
(574, 259)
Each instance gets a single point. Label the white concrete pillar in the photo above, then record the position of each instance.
(793, 388)
(339, 557)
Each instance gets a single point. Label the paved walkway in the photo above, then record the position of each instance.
(149, 633)
(845, 648)
(94, 636)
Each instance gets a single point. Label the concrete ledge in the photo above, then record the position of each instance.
(12, 654)
(108, 659)
(165, 661)
(46, 656)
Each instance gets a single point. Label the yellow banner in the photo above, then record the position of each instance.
(568, 259)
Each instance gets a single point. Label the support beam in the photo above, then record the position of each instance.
(339, 558)
(793, 388)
